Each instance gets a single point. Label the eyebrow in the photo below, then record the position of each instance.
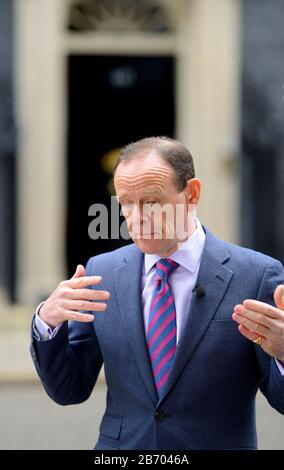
(149, 192)
(122, 196)
(155, 192)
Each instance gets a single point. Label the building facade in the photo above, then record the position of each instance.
(200, 37)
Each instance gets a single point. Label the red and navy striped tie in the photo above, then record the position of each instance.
(161, 334)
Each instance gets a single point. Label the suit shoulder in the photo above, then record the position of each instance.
(247, 264)
(252, 264)
(111, 259)
(249, 255)
(238, 255)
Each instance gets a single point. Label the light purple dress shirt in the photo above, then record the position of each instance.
(182, 280)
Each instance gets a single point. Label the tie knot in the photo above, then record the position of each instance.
(164, 267)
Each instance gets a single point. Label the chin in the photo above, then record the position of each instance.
(150, 247)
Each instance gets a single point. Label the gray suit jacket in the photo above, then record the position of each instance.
(209, 401)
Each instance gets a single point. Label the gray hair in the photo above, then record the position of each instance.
(171, 150)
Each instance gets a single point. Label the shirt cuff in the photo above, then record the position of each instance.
(280, 367)
(42, 331)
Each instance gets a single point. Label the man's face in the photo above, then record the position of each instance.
(152, 204)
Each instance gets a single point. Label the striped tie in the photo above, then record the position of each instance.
(161, 334)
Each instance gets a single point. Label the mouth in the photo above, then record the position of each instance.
(146, 236)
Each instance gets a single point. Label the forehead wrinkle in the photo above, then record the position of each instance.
(131, 178)
(143, 169)
(155, 189)
(146, 186)
(159, 177)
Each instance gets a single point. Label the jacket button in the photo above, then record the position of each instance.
(159, 415)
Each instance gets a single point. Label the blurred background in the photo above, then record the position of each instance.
(78, 80)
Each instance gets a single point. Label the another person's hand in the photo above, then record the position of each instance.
(71, 296)
(264, 324)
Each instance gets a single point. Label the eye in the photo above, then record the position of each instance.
(124, 202)
(126, 207)
(151, 203)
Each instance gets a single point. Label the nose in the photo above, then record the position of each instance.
(136, 216)
(140, 224)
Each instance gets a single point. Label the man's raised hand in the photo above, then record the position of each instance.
(70, 297)
(261, 321)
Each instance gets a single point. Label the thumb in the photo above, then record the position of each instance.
(279, 297)
(80, 271)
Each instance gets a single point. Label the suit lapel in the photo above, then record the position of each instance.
(128, 287)
(215, 278)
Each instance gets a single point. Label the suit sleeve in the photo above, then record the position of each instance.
(68, 364)
(272, 385)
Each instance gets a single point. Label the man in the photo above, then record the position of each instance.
(180, 372)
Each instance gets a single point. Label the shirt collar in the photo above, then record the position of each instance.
(187, 255)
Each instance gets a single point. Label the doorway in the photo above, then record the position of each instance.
(112, 100)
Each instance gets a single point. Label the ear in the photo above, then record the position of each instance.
(193, 190)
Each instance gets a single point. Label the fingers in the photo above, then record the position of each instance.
(89, 294)
(271, 344)
(248, 334)
(264, 308)
(259, 320)
(80, 271)
(258, 323)
(77, 316)
(256, 317)
(250, 324)
(84, 305)
(85, 281)
(71, 297)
